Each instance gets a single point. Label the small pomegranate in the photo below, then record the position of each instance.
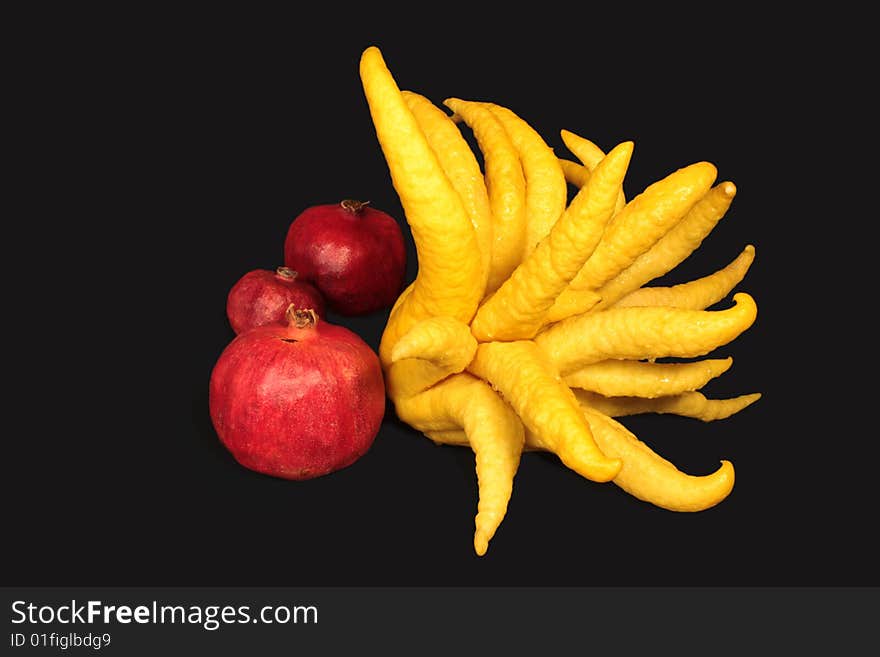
(262, 296)
(353, 254)
(297, 400)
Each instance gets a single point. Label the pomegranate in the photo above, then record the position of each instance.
(262, 296)
(297, 400)
(352, 253)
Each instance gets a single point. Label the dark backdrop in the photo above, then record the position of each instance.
(193, 144)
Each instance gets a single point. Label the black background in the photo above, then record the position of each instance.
(168, 156)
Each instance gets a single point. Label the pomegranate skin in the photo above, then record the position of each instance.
(297, 403)
(262, 296)
(353, 254)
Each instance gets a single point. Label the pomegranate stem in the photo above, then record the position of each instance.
(353, 206)
(301, 317)
(286, 273)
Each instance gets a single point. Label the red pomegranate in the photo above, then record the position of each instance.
(353, 254)
(297, 400)
(262, 296)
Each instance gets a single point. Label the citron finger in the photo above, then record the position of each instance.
(439, 339)
(643, 332)
(494, 432)
(644, 474)
(633, 378)
(590, 155)
(461, 167)
(456, 437)
(575, 174)
(698, 294)
(691, 404)
(546, 406)
(643, 221)
(506, 186)
(583, 149)
(633, 230)
(673, 247)
(571, 303)
(545, 182)
(651, 478)
(400, 319)
(430, 351)
(448, 254)
(517, 309)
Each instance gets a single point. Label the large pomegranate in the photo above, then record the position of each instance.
(262, 296)
(297, 400)
(353, 254)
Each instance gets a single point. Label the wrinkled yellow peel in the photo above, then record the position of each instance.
(695, 295)
(692, 404)
(644, 332)
(529, 325)
(635, 378)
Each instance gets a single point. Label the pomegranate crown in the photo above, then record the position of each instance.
(301, 317)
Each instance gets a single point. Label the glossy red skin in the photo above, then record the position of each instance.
(262, 296)
(357, 260)
(297, 410)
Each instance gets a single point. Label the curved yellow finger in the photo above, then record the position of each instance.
(506, 186)
(449, 258)
(455, 437)
(651, 478)
(439, 339)
(575, 173)
(570, 303)
(644, 474)
(697, 294)
(634, 378)
(634, 229)
(429, 352)
(590, 155)
(673, 247)
(546, 406)
(518, 308)
(643, 221)
(643, 332)
(494, 432)
(687, 404)
(458, 438)
(583, 149)
(461, 167)
(401, 317)
(546, 193)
